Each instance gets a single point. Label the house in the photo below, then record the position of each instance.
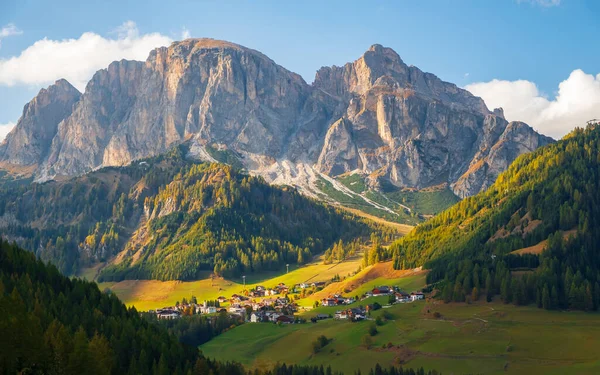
(222, 299)
(257, 317)
(285, 319)
(238, 310)
(381, 290)
(328, 302)
(205, 309)
(416, 296)
(321, 316)
(341, 314)
(403, 297)
(167, 313)
(273, 315)
(260, 288)
(318, 284)
(304, 285)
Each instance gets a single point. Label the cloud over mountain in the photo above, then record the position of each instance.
(76, 59)
(577, 100)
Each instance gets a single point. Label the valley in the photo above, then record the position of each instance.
(194, 207)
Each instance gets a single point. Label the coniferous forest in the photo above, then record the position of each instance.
(549, 195)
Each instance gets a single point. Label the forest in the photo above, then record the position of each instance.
(548, 195)
(174, 217)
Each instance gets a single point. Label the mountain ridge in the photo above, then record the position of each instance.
(376, 116)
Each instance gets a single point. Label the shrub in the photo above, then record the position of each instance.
(373, 330)
(320, 343)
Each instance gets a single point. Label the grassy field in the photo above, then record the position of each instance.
(486, 338)
(152, 294)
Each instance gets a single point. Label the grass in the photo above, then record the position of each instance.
(423, 203)
(152, 294)
(486, 338)
(356, 202)
(428, 202)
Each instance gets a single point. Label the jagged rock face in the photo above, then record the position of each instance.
(376, 115)
(30, 139)
(215, 91)
(416, 130)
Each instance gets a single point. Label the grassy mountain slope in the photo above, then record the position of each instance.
(480, 338)
(169, 218)
(542, 196)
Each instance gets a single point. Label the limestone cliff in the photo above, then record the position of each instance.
(376, 116)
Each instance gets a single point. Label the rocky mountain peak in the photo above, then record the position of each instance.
(30, 139)
(375, 116)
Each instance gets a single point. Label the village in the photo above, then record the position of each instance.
(279, 304)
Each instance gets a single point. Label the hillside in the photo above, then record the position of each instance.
(480, 338)
(169, 218)
(55, 325)
(549, 195)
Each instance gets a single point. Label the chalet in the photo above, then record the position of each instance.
(285, 319)
(260, 288)
(222, 299)
(318, 284)
(356, 314)
(205, 308)
(273, 315)
(321, 316)
(237, 310)
(381, 290)
(403, 297)
(328, 302)
(168, 314)
(416, 296)
(343, 314)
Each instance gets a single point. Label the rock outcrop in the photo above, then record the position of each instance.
(29, 141)
(376, 116)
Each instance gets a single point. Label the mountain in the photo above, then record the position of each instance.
(539, 217)
(391, 124)
(171, 218)
(27, 144)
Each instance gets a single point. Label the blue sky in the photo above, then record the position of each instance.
(495, 46)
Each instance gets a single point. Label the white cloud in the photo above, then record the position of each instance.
(77, 60)
(5, 129)
(543, 3)
(185, 33)
(577, 101)
(9, 30)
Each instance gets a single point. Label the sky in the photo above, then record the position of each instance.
(538, 59)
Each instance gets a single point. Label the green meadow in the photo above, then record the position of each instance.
(485, 338)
